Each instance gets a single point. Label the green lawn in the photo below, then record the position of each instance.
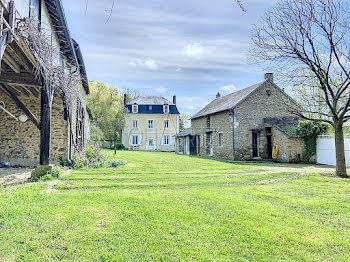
(165, 207)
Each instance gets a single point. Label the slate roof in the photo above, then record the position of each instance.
(152, 105)
(150, 100)
(287, 125)
(227, 102)
(185, 132)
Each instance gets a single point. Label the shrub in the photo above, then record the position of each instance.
(45, 173)
(47, 177)
(39, 172)
(310, 130)
(55, 172)
(121, 147)
(114, 163)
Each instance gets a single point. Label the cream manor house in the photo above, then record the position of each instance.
(151, 124)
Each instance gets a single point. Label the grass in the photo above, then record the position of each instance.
(165, 207)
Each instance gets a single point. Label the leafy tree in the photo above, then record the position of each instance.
(309, 41)
(107, 107)
(185, 121)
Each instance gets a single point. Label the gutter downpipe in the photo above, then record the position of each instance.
(233, 133)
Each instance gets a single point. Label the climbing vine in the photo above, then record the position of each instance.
(309, 130)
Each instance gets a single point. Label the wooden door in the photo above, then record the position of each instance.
(255, 144)
(269, 142)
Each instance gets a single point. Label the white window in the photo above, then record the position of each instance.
(150, 108)
(135, 124)
(166, 124)
(150, 124)
(135, 108)
(221, 142)
(135, 140)
(166, 109)
(167, 140)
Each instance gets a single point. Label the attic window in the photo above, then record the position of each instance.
(166, 109)
(268, 92)
(135, 108)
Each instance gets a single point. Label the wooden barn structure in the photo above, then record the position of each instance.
(43, 84)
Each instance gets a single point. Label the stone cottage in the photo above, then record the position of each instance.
(43, 85)
(151, 122)
(252, 123)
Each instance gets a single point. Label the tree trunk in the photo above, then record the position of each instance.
(45, 128)
(339, 150)
(115, 145)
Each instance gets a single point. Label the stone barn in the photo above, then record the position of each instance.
(251, 124)
(43, 85)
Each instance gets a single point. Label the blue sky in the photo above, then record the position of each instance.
(188, 48)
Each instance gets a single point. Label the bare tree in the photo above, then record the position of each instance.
(309, 41)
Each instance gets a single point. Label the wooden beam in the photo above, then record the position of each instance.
(14, 90)
(25, 79)
(21, 105)
(11, 63)
(14, 50)
(12, 18)
(45, 127)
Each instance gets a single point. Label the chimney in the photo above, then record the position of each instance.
(269, 76)
(174, 100)
(124, 99)
(218, 95)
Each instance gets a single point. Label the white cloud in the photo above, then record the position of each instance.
(178, 69)
(160, 90)
(228, 89)
(151, 64)
(194, 50)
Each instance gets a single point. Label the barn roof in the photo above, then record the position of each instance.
(228, 102)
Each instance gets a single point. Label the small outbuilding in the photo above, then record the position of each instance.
(251, 124)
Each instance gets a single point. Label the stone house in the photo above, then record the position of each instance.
(251, 123)
(40, 120)
(151, 122)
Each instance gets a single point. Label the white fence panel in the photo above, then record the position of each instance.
(326, 150)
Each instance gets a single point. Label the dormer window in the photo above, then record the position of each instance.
(166, 109)
(135, 108)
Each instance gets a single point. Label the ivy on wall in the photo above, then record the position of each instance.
(309, 130)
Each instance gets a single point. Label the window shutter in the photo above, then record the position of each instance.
(130, 141)
(170, 140)
(140, 140)
(162, 141)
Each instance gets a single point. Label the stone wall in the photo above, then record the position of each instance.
(19, 142)
(220, 123)
(268, 101)
(83, 99)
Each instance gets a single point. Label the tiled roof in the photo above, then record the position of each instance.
(227, 102)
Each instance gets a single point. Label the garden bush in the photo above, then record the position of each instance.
(114, 163)
(92, 157)
(45, 173)
(47, 177)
